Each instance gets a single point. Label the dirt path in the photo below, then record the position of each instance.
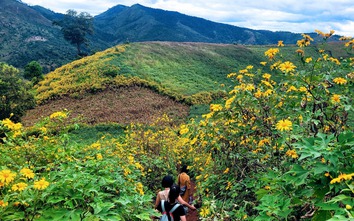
(193, 214)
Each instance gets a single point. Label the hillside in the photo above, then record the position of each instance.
(26, 35)
(177, 74)
(188, 73)
(139, 23)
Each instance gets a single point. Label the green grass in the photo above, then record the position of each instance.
(178, 70)
(86, 135)
(187, 68)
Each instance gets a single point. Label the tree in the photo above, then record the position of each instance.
(75, 27)
(15, 96)
(33, 71)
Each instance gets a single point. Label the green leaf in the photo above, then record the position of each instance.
(321, 215)
(338, 198)
(260, 193)
(340, 218)
(320, 168)
(298, 174)
(144, 216)
(328, 206)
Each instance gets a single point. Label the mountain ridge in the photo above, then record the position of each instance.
(30, 35)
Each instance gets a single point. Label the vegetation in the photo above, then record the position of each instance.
(75, 27)
(27, 36)
(15, 96)
(277, 146)
(281, 147)
(33, 71)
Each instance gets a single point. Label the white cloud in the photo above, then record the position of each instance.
(288, 15)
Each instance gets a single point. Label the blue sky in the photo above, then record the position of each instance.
(299, 16)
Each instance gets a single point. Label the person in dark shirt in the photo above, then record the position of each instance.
(179, 214)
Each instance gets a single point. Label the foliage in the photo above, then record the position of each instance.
(281, 144)
(75, 27)
(14, 93)
(44, 176)
(33, 71)
(28, 36)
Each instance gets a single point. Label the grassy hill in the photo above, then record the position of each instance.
(191, 74)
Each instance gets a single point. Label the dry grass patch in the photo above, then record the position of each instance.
(123, 106)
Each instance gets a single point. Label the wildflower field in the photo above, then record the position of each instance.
(279, 145)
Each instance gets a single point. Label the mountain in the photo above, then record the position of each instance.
(139, 23)
(26, 35)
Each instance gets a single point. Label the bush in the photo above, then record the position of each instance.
(15, 95)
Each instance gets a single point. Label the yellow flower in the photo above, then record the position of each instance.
(215, 107)
(292, 153)
(11, 125)
(270, 53)
(58, 114)
(6, 176)
(19, 186)
(258, 94)
(267, 92)
(266, 76)
(3, 204)
(27, 173)
(339, 80)
(228, 185)
(300, 52)
(139, 188)
(204, 212)
(249, 67)
(263, 63)
(308, 60)
(280, 44)
(226, 170)
(291, 88)
(342, 177)
(99, 156)
(41, 184)
(287, 67)
(183, 129)
(348, 207)
(267, 187)
(284, 125)
(335, 98)
(302, 89)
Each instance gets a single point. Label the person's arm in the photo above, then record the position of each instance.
(184, 203)
(158, 200)
(183, 218)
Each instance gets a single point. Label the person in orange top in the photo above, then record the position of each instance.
(184, 182)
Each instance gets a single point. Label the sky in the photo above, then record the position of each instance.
(298, 16)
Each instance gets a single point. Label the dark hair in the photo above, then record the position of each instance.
(167, 181)
(184, 169)
(174, 193)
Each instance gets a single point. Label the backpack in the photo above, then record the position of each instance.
(165, 216)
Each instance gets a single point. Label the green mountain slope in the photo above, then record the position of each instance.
(191, 74)
(139, 23)
(179, 70)
(26, 35)
(188, 72)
